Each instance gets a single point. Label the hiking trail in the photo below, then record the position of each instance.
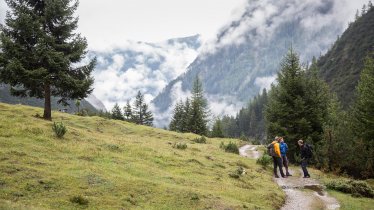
(305, 194)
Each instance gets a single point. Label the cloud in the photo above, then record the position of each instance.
(259, 20)
(265, 82)
(138, 66)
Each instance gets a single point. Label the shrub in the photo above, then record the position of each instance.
(264, 160)
(201, 140)
(79, 200)
(181, 146)
(356, 188)
(237, 173)
(231, 147)
(59, 129)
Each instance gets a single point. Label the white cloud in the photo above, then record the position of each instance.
(265, 82)
(116, 83)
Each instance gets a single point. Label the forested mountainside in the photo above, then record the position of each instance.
(342, 65)
(246, 55)
(6, 97)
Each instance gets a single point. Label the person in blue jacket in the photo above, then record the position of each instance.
(283, 150)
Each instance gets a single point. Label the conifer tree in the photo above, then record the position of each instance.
(40, 52)
(127, 111)
(186, 118)
(199, 111)
(286, 109)
(147, 116)
(217, 129)
(117, 113)
(363, 110)
(141, 114)
(177, 119)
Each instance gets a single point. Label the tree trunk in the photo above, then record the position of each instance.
(47, 102)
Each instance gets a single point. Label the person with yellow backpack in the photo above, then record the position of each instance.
(275, 153)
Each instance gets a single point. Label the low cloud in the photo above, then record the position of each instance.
(137, 66)
(265, 82)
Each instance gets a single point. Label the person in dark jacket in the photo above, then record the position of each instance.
(283, 150)
(305, 156)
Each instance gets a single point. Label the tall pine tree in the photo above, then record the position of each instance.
(199, 109)
(176, 123)
(141, 113)
(117, 113)
(40, 52)
(127, 112)
(286, 109)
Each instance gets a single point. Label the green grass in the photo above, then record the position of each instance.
(347, 201)
(107, 164)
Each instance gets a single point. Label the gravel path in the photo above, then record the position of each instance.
(304, 194)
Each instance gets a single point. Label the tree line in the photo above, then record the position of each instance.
(138, 113)
(191, 115)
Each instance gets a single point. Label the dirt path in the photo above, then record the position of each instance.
(304, 194)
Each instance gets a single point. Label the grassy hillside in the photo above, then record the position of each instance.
(116, 165)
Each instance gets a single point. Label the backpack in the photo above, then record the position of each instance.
(271, 151)
(308, 151)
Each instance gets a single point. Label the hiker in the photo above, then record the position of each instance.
(306, 154)
(283, 150)
(274, 152)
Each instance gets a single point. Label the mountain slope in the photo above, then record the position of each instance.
(246, 55)
(6, 97)
(118, 165)
(342, 65)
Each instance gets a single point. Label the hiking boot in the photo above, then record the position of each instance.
(276, 176)
(306, 176)
(288, 174)
(284, 176)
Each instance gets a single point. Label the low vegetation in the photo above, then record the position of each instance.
(111, 164)
(354, 187)
(230, 147)
(265, 160)
(59, 128)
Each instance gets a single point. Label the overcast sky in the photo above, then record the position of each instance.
(111, 22)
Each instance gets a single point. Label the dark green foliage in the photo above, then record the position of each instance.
(297, 107)
(191, 116)
(217, 129)
(79, 200)
(249, 122)
(141, 114)
(40, 50)
(230, 147)
(127, 112)
(198, 112)
(181, 146)
(59, 129)
(177, 121)
(264, 160)
(342, 64)
(117, 113)
(201, 140)
(356, 188)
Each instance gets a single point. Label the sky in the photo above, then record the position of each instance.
(112, 22)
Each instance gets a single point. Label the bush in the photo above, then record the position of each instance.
(230, 147)
(59, 129)
(201, 140)
(79, 200)
(237, 173)
(356, 188)
(181, 146)
(264, 160)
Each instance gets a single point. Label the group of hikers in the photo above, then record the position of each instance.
(278, 151)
